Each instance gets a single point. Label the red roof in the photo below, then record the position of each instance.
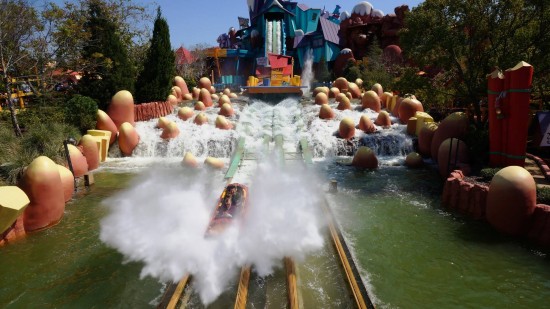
(183, 56)
(279, 61)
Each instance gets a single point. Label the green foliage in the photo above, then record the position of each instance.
(431, 91)
(81, 112)
(109, 69)
(543, 195)
(477, 140)
(371, 70)
(468, 39)
(155, 80)
(190, 82)
(41, 139)
(488, 173)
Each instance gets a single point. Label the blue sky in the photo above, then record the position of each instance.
(192, 22)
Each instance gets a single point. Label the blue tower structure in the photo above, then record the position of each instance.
(278, 27)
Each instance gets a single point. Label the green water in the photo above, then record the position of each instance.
(67, 266)
(412, 254)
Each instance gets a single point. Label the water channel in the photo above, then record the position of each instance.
(411, 252)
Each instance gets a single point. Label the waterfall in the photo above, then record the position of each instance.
(307, 71)
(269, 37)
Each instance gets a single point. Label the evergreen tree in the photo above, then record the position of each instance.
(108, 68)
(323, 74)
(155, 80)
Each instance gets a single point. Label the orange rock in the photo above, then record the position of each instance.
(233, 95)
(104, 122)
(411, 126)
(90, 151)
(212, 90)
(199, 106)
(42, 184)
(78, 161)
(185, 113)
(227, 91)
(226, 110)
(121, 108)
(214, 163)
(215, 97)
(333, 92)
(200, 119)
(459, 155)
(414, 160)
(321, 98)
(371, 100)
(366, 125)
(354, 90)
(128, 139)
(408, 108)
(365, 158)
(511, 200)
(162, 123)
(317, 90)
(205, 82)
(349, 95)
(326, 112)
(196, 92)
(383, 119)
(378, 89)
(180, 82)
(176, 91)
(340, 97)
(205, 97)
(67, 181)
(172, 100)
(425, 139)
(346, 129)
(359, 82)
(190, 160)
(344, 104)
(342, 84)
(222, 123)
(384, 98)
(223, 99)
(187, 97)
(455, 125)
(171, 131)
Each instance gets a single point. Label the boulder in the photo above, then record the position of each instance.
(408, 108)
(414, 160)
(162, 123)
(223, 99)
(333, 92)
(455, 125)
(190, 160)
(365, 158)
(206, 97)
(346, 130)
(199, 106)
(170, 131)
(378, 89)
(342, 84)
(185, 113)
(176, 91)
(200, 119)
(383, 119)
(128, 139)
(425, 139)
(326, 112)
(227, 110)
(321, 98)
(180, 82)
(104, 122)
(511, 200)
(458, 156)
(42, 184)
(121, 108)
(371, 100)
(67, 182)
(222, 123)
(90, 151)
(187, 97)
(344, 103)
(78, 161)
(366, 125)
(354, 90)
(214, 163)
(205, 83)
(172, 100)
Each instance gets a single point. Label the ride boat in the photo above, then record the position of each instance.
(232, 206)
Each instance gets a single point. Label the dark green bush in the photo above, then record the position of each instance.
(81, 112)
(543, 195)
(488, 173)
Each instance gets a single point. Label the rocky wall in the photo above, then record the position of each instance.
(152, 110)
(469, 198)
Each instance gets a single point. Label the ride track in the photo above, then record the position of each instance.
(172, 297)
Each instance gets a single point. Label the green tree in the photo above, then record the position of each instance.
(111, 70)
(468, 39)
(19, 24)
(81, 112)
(322, 73)
(155, 80)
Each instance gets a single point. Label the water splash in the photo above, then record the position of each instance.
(307, 72)
(160, 220)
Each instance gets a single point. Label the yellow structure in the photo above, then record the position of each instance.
(252, 81)
(102, 138)
(296, 81)
(392, 103)
(421, 119)
(13, 202)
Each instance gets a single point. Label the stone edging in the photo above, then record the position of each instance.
(542, 165)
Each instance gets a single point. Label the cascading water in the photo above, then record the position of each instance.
(307, 71)
(391, 145)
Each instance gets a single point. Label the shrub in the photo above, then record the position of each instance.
(81, 112)
(543, 195)
(488, 173)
